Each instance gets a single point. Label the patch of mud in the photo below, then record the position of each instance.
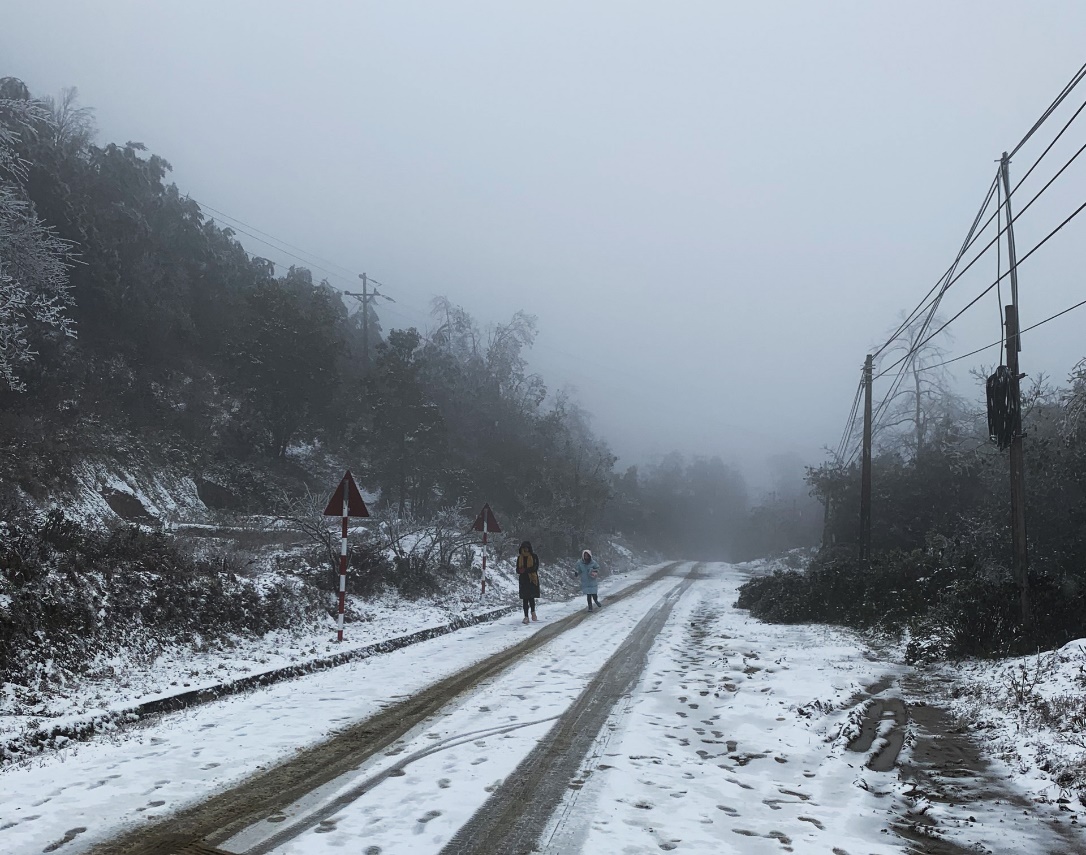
(946, 768)
(882, 732)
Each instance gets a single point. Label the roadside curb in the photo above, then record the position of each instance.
(35, 742)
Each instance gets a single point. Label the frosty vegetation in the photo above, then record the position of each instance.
(940, 572)
(197, 359)
(34, 293)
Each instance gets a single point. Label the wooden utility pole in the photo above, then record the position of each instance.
(865, 466)
(366, 297)
(365, 325)
(1018, 467)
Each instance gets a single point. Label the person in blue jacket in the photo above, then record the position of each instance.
(589, 571)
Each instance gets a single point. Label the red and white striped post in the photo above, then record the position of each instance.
(486, 522)
(347, 502)
(342, 570)
(482, 593)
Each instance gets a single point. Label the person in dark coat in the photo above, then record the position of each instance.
(528, 577)
(589, 572)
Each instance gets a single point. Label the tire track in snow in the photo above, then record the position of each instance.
(512, 820)
(222, 816)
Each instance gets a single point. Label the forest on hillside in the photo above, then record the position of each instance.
(137, 325)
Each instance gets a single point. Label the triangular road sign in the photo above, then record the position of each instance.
(355, 506)
(491, 520)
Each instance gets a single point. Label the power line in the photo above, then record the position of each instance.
(348, 273)
(1000, 342)
(850, 424)
(1072, 83)
(921, 340)
(308, 263)
(915, 313)
(973, 302)
(995, 214)
(1048, 148)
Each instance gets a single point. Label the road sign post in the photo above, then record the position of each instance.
(486, 522)
(345, 501)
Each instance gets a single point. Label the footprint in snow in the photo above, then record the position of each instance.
(69, 836)
(444, 783)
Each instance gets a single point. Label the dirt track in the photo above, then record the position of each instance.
(195, 829)
(511, 820)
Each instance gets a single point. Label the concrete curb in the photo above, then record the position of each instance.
(39, 740)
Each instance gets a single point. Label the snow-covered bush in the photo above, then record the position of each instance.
(73, 593)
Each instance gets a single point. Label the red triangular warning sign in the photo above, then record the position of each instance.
(355, 506)
(491, 520)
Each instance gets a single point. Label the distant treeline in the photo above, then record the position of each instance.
(195, 353)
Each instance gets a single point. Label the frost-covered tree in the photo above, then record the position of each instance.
(922, 398)
(34, 289)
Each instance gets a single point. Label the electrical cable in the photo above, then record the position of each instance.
(993, 242)
(1002, 339)
(999, 264)
(915, 313)
(347, 273)
(1074, 81)
(305, 261)
(850, 424)
(973, 302)
(1048, 148)
(921, 306)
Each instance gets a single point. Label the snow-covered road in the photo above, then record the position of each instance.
(88, 792)
(733, 739)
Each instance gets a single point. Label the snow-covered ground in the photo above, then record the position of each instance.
(731, 743)
(118, 682)
(734, 740)
(1031, 713)
(148, 770)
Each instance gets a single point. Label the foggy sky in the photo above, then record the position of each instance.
(715, 209)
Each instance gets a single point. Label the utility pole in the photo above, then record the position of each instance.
(865, 466)
(1018, 466)
(365, 325)
(367, 296)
